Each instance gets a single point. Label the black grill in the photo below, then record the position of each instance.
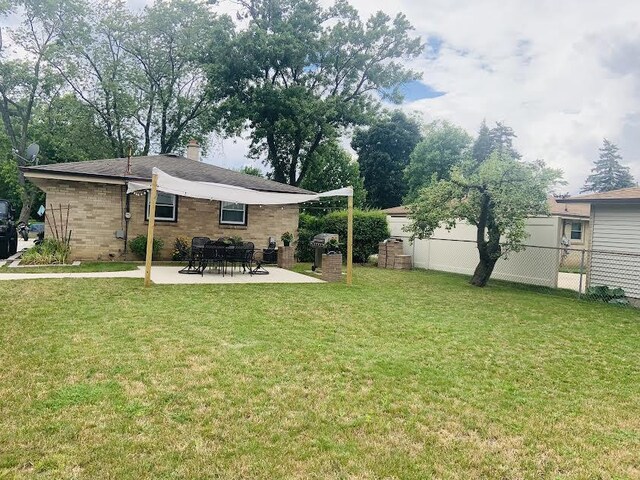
(319, 242)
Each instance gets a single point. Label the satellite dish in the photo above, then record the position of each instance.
(32, 151)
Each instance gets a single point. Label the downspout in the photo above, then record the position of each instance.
(127, 203)
(127, 217)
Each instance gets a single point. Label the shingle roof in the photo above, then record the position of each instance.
(574, 210)
(631, 194)
(400, 211)
(174, 165)
(569, 209)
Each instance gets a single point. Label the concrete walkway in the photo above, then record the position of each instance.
(571, 281)
(170, 276)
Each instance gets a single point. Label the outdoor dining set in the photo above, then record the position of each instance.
(222, 256)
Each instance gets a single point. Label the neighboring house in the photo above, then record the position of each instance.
(615, 239)
(575, 228)
(102, 217)
(574, 222)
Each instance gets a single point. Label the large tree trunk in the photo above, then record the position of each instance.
(27, 198)
(489, 250)
(483, 272)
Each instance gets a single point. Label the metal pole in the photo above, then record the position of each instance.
(581, 272)
(152, 222)
(349, 239)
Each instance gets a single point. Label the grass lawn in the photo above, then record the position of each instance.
(82, 268)
(404, 375)
(572, 270)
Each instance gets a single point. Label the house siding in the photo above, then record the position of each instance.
(573, 258)
(96, 212)
(616, 228)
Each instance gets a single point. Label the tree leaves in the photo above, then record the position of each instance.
(443, 146)
(299, 74)
(383, 153)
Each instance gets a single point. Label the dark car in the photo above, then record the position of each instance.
(8, 232)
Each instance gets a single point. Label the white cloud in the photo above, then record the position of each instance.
(562, 74)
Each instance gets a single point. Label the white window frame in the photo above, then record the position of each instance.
(581, 231)
(223, 207)
(174, 205)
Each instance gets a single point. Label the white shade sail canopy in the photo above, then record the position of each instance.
(229, 193)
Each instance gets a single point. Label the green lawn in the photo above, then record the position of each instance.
(404, 375)
(82, 268)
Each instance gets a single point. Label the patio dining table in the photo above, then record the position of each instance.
(208, 253)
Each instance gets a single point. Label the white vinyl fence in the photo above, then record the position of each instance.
(455, 251)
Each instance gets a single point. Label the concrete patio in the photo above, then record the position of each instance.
(170, 276)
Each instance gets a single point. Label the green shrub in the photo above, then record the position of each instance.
(139, 246)
(607, 294)
(369, 228)
(308, 227)
(49, 252)
(181, 249)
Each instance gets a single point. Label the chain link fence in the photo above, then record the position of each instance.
(596, 275)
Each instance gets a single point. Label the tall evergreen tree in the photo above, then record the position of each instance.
(498, 138)
(607, 173)
(482, 146)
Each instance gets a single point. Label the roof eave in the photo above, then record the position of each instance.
(34, 172)
(600, 200)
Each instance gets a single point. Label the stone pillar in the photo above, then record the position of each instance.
(387, 252)
(332, 267)
(382, 255)
(402, 262)
(285, 257)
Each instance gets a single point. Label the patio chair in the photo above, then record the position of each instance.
(247, 261)
(197, 246)
(234, 255)
(212, 255)
(268, 256)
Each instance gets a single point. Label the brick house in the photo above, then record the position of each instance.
(103, 217)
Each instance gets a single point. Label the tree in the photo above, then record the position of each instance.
(95, 65)
(67, 131)
(496, 196)
(299, 74)
(498, 138)
(444, 145)
(28, 79)
(333, 168)
(141, 73)
(165, 42)
(607, 172)
(383, 154)
(249, 170)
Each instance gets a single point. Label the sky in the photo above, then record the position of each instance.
(563, 74)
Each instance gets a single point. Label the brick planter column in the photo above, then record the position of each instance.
(387, 252)
(332, 267)
(382, 255)
(402, 262)
(285, 257)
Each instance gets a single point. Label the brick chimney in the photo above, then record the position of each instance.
(193, 151)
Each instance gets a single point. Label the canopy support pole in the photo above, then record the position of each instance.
(349, 239)
(152, 223)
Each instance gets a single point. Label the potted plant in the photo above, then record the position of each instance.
(332, 247)
(287, 238)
